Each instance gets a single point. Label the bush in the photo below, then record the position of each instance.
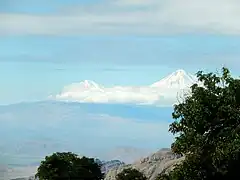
(131, 174)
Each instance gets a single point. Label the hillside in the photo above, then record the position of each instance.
(151, 166)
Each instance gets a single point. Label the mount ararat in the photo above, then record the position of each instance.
(163, 92)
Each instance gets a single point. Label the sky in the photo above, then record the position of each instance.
(46, 45)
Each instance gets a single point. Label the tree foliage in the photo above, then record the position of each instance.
(68, 166)
(131, 174)
(207, 125)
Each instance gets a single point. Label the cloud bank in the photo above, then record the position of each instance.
(132, 95)
(136, 95)
(143, 17)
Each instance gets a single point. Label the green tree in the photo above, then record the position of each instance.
(131, 174)
(69, 166)
(207, 125)
(163, 176)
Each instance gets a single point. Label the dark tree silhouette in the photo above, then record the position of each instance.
(131, 174)
(68, 166)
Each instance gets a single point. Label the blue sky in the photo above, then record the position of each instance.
(46, 45)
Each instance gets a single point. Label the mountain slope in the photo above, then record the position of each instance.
(151, 166)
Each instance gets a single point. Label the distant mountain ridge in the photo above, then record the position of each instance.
(34, 128)
(151, 166)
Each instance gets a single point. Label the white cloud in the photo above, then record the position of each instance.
(131, 17)
(135, 95)
(108, 95)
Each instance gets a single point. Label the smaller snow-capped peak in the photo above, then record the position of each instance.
(178, 79)
(88, 84)
(85, 85)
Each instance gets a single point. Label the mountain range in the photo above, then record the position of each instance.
(163, 92)
(35, 129)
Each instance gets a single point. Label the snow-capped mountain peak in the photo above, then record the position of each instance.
(178, 79)
(86, 85)
(180, 72)
(89, 84)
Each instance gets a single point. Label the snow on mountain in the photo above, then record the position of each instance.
(178, 79)
(164, 92)
(84, 85)
(80, 91)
